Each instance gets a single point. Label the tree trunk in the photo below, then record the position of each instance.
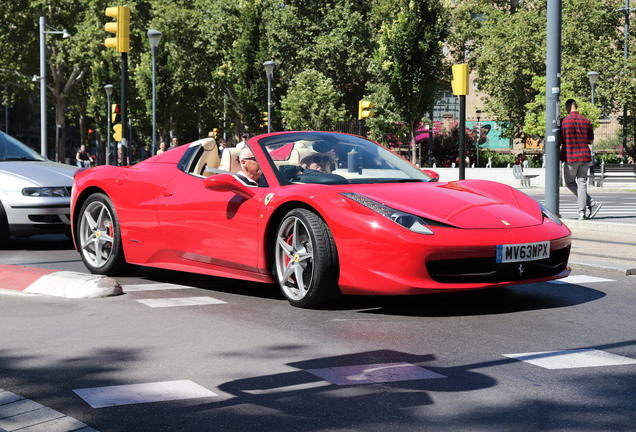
(413, 148)
(60, 127)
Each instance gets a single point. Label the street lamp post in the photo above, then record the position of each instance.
(109, 91)
(269, 65)
(478, 112)
(592, 76)
(154, 36)
(42, 78)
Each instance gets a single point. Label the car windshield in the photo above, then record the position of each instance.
(13, 150)
(334, 158)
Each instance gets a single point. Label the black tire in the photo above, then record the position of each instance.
(99, 238)
(305, 260)
(4, 228)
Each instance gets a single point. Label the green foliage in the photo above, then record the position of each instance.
(509, 52)
(408, 58)
(535, 114)
(499, 160)
(311, 102)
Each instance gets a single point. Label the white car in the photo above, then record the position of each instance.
(35, 193)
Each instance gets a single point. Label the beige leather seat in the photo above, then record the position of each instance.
(209, 157)
(230, 160)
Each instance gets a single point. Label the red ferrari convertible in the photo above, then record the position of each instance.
(331, 213)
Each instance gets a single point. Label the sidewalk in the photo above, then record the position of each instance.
(596, 243)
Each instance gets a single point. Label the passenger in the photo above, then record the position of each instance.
(250, 171)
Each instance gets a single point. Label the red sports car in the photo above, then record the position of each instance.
(331, 213)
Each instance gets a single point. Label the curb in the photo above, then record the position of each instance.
(621, 268)
(65, 284)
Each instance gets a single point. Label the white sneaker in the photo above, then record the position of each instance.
(594, 208)
(582, 215)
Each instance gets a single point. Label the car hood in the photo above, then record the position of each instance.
(40, 173)
(470, 204)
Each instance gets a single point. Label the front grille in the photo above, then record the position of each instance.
(487, 270)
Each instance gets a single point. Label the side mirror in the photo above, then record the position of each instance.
(432, 174)
(228, 183)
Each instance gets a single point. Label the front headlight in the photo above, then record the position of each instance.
(46, 192)
(407, 220)
(548, 214)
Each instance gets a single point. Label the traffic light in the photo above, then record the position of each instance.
(364, 110)
(264, 119)
(121, 28)
(215, 133)
(116, 113)
(117, 132)
(460, 80)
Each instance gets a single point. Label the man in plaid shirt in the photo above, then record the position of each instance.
(576, 137)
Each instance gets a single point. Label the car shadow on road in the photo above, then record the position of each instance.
(40, 243)
(483, 302)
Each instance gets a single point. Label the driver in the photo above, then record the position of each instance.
(318, 162)
(250, 171)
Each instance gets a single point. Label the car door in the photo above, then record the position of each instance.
(219, 228)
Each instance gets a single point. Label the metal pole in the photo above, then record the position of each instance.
(553, 106)
(430, 139)
(154, 100)
(627, 12)
(6, 109)
(124, 108)
(478, 140)
(462, 137)
(269, 103)
(43, 147)
(108, 131)
(224, 111)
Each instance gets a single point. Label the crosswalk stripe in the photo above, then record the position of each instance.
(570, 359)
(179, 301)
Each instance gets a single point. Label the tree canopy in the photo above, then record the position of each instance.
(330, 54)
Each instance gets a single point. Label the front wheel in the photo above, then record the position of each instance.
(306, 261)
(99, 236)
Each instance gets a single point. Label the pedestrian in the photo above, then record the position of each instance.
(174, 143)
(243, 143)
(576, 137)
(162, 147)
(222, 146)
(83, 158)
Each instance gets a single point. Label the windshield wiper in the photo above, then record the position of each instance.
(397, 180)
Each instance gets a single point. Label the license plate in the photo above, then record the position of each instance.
(523, 252)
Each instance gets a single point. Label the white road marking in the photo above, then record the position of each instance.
(569, 359)
(17, 412)
(180, 301)
(373, 373)
(100, 397)
(580, 279)
(153, 287)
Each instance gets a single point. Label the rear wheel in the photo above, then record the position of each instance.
(306, 266)
(99, 236)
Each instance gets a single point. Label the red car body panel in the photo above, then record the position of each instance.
(169, 219)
